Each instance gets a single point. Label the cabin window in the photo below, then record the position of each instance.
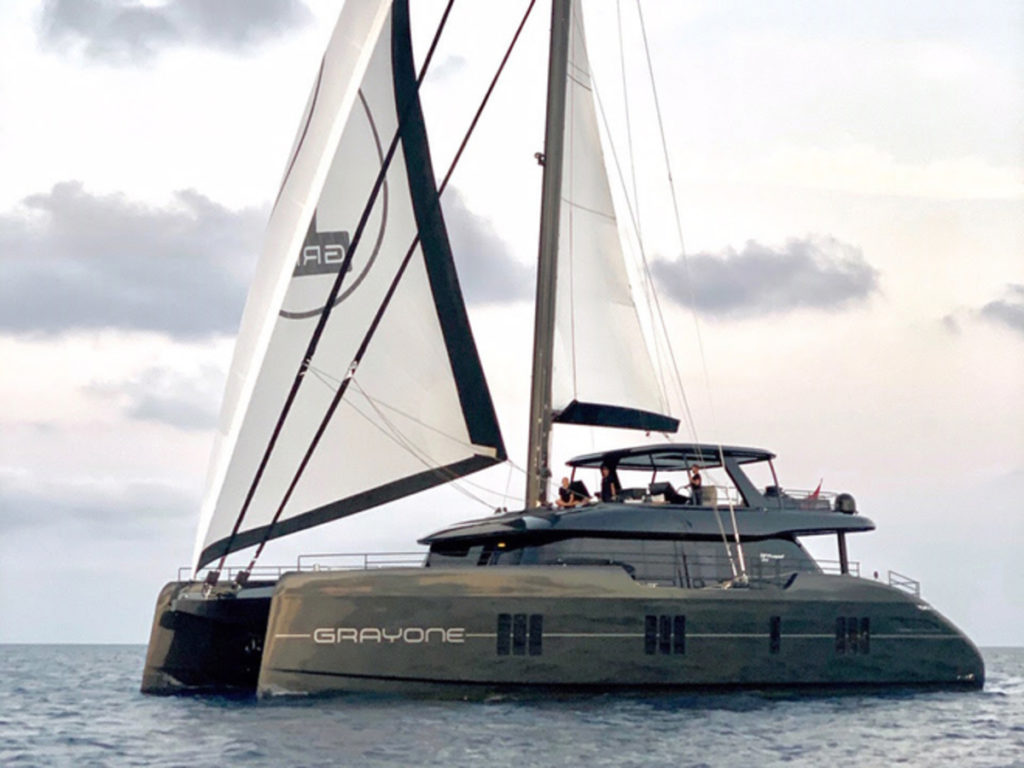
(688, 564)
(465, 557)
(705, 562)
(647, 560)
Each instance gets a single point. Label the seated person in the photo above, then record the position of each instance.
(571, 494)
(668, 493)
(672, 496)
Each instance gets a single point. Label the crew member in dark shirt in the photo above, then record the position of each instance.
(609, 483)
(696, 484)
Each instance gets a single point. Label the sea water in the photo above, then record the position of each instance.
(80, 706)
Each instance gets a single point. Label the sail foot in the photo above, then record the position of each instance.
(601, 415)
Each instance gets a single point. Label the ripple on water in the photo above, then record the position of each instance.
(80, 706)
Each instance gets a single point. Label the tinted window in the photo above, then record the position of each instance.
(455, 558)
(679, 563)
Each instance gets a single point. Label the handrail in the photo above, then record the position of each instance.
(835, 567)
(348, 561)
(365, 561)
(905, 583)
(337, 561)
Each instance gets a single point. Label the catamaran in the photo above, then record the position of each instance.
(356, 381)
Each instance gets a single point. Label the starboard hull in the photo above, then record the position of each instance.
(481, 631)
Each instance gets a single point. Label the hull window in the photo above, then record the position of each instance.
(519, 634)
(775, 634)
(853, 635)
(664, 634)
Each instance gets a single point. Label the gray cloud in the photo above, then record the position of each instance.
(126, 31)
(169, 396)
(1008, 311)
(488, 273)
(809, 273)
(124, 510)
(73, 260)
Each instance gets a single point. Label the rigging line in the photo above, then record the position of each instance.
(332, 381)
(678, 222)
(629, 128)
(392, 433)
(686, 270)
(410, 447)
(655, 306)
(386, 300)
(422, 456)
(332, 296)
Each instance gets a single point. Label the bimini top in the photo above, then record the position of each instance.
(671, 457)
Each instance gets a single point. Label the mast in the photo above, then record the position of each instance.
(537, 470)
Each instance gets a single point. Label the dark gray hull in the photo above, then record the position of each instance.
(474, 632)
(209, 644)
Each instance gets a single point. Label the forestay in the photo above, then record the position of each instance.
(417, 412)
(602, 373)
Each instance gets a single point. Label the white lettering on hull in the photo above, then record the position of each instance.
(409, 635)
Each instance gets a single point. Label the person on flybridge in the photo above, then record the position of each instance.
(696, 485)
(610, 487)
(572, 494)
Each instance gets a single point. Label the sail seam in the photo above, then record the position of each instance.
(578, 206)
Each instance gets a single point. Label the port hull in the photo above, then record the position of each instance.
(475, 632)
(206, 643)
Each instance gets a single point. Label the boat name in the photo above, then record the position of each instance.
(769, 556)
(411, 635)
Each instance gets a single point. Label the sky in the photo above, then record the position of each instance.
(850, 188)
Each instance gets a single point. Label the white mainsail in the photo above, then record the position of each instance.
(602, 371)
(416, 412)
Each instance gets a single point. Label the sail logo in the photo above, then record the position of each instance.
(408, 635)
(323, 253)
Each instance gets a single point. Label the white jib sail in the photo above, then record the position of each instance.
(603, 371)
(417, 412)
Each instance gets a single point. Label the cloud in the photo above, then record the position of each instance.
(811, 273)
(488, 273)
(126, 31)
(1008, 311)
(115, 509)
(168, 396)
(73, 260)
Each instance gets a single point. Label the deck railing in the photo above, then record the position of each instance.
(907, 584)
(332, 561)
(699, 571)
